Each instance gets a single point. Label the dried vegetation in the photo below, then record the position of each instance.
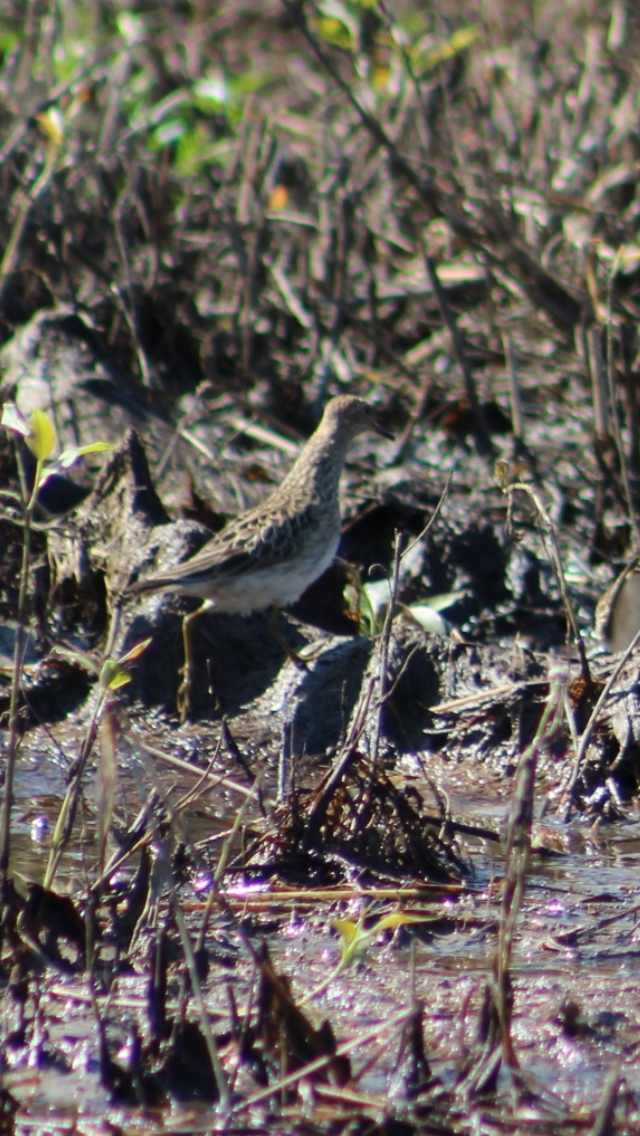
(213, 218)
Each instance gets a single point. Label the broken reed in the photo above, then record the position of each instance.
(517, 849)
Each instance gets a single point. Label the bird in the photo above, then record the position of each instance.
(268, 556)
(617, 615)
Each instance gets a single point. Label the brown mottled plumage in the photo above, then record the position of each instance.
(271, 554)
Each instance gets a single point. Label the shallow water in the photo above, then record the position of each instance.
(575, 967)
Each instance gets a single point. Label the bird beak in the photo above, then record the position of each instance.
(382, 430)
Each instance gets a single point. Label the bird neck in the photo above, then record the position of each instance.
(320, 463)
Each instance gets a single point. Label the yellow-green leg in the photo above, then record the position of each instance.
(286, 647)
(184, 690)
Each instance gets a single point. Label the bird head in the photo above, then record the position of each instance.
(352, 416)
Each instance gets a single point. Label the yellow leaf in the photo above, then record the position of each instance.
(42, 435)
(462, 39)
(279, 198)
(119, 679)
(112, 676)
(457, 43)
(347, 929)
(399, 919)
(51, 125)
(380, 77)
(626, 259)
(69, 457)
(334, 31)
(109, 671)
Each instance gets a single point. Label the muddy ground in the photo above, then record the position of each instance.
(394, 890)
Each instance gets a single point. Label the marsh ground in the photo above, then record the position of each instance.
(215, 217)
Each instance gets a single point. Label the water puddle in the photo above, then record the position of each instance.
(575, 966)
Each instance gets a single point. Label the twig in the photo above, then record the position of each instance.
(483, 441)
(383, 655)
(515, 391)
(12, 249)
(432, 519)
(548, 531)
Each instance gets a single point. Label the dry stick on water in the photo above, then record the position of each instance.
(43, 440)
(164, 867)
(166, 882)
(383, 655)
(603, 1124)
(327, 788)
(16, 682)
(217, 895)
(69, 807)
(517, 848)
(306, 1071)
(223, 860)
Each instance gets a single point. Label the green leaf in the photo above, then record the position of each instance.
(170, 131)
(378, 593)
(444, 600)
(335, 32)
(9, 41)
(347, 929)
(113, 674)
(428, 618)
(41, 439)
(455, 45)
(131, 27)
(212, 88)
(51, 124)
(354, 940)
(136, 651)
(399, 919)
(112, 677)
(69, 457)
(118, 680)
(196, 150)
(14, 420)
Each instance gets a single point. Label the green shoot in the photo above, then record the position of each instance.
(39, 435)
(355, 941)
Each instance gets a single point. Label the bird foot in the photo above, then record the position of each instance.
(293, 657)
(312, 651)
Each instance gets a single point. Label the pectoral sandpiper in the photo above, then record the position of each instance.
(271, 554)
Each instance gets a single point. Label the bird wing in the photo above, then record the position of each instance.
(243, 545)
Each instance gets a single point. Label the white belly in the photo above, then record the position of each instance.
(274, 587)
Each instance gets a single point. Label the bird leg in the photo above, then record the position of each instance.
(184, 690)
(292, 655)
